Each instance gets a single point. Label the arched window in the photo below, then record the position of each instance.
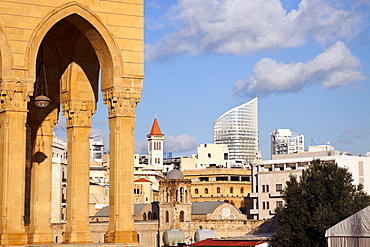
(182, 216)
(167, 195)
(231, 190)
(144, 216)
(206, 191)
(167, 217)
(196, 191)
(241, 190)
(218, 190)
(149, 215)
(182, 194)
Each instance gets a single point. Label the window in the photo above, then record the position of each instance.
(218, 190)
(209, 155)
(279, 187)
(267, 188)
(167, 217)
(182, 216)
(144, 216)
(136, 191)
(196, 191)
(263, 188)
(206, 191)
(241, 190)
(149, 215)
(267, 205)
(231, 190)
(263, 205)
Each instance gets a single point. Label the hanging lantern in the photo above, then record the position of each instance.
(41, 100)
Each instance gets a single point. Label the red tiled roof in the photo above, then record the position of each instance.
(142, 180)
(155, 131)
(215, 242)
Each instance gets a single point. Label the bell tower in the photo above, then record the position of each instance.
(155, 145)
(175, 204)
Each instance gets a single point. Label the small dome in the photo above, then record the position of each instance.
(175, 174)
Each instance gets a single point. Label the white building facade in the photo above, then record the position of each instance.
(238, 129)
(59, 181)
(284, 141)
(269, 177)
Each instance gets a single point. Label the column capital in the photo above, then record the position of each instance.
(15, 94)
(121, 101)
(78, 112)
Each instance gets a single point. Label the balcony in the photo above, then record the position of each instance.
(252, 195)
(252, 211)
(275, 194)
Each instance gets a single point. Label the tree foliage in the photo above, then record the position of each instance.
(323, 197)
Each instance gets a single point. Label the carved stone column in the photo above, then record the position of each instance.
(78, 115)
(42, 128)
(121, 105)
(14, 96)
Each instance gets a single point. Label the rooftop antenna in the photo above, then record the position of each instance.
(312, 142)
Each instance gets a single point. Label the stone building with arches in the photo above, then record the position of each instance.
(176, 210)
(55, 56)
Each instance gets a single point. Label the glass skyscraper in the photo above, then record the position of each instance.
(238, 128)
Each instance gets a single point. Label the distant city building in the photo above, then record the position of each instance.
(96, 150)
(238, 128)
(59, 181)
(269, 177)
(284, 141)
(220, 184)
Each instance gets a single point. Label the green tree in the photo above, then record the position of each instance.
(323, 197)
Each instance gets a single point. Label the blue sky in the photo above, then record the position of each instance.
(308, 62)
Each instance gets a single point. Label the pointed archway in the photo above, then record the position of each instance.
(75, 47)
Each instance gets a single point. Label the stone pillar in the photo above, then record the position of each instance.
(42, 132)
(13, 114)
(121, 109)
(78, 115)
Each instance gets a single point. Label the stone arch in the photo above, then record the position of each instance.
(105, 46)
(6, 55)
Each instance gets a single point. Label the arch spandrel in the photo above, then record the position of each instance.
(6, 55)
(102, 40)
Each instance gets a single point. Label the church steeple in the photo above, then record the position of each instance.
(155, 145)
(155, 131)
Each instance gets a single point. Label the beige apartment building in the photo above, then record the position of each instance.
(220, 184)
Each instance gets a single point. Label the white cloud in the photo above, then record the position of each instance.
(351, 136)
(181, 143)
(333, 68)
(141, 147)
(244, 26)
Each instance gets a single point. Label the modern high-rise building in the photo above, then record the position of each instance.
(284, 141)
(238, 128)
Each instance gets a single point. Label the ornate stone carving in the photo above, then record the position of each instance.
(78, 113)
(14, 95)
(121, 102)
